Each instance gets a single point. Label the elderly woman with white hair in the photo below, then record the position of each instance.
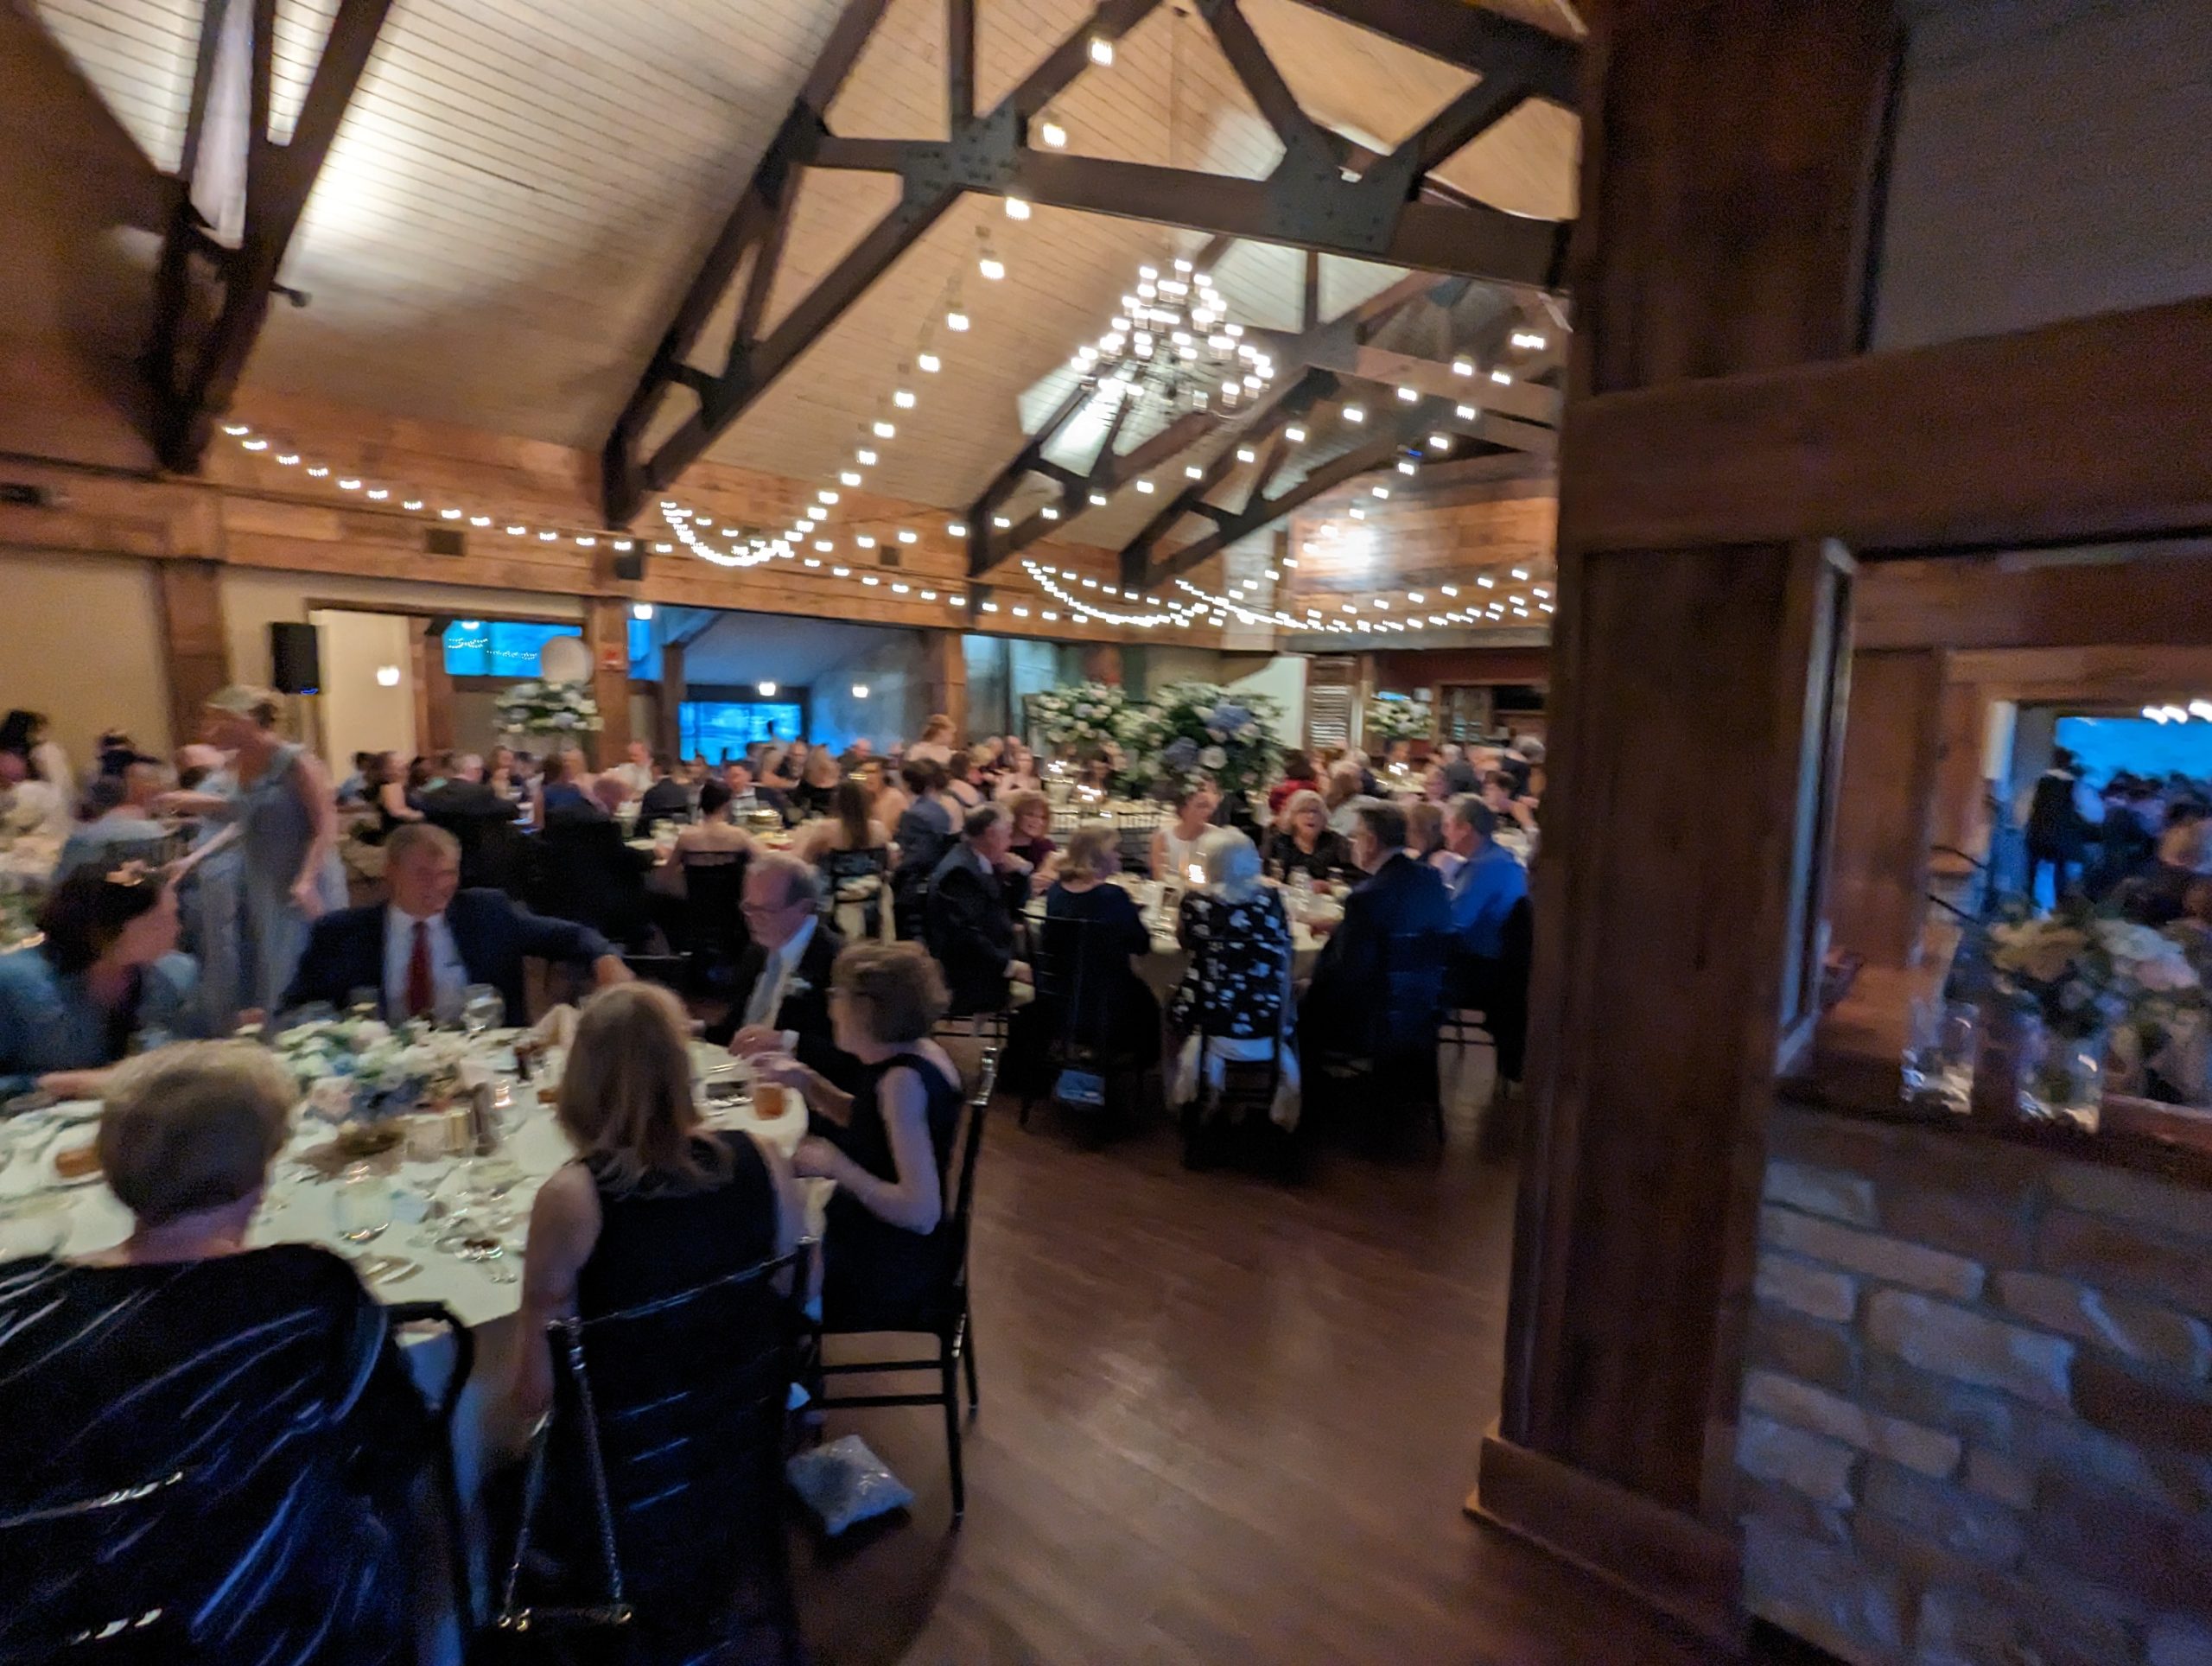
(1233, 1005)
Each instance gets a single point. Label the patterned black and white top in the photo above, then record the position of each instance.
(1240, 965)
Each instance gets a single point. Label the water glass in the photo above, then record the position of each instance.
(360, 1208)
(482, 1008)
(364, 1002)
(1940, 1053)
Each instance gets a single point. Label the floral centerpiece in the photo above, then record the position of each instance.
(538, 707)
(388, 1072)
(1400, 720)
(1079, 719)
(2079, 975)
(1194, 730)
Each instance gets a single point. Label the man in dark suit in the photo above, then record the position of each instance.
(667, 799)
(968, 921)
(588, 872)
(480, 819)
(422, 949)
(1367, 997)
(782, 994)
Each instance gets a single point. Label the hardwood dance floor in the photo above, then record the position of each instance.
(1222, 1421)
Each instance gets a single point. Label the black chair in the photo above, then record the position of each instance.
(714, 932)
(1235, 1121)
(1074, 1014)
(652, 1504)
(1396, 1057)
(863, 873)
(944, 1314)
(586, 873)
(1488, 1006)
(212, 1509)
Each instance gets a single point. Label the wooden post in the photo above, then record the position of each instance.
(948, 678)
(1886, 802)
(1675, 932)
(194, 643)
(606, 633)
(433, 690)
(668, 736)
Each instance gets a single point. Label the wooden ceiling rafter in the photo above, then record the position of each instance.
(1314, 198)
(195, 370)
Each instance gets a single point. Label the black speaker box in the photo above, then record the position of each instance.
(631, 567)
(295, 659)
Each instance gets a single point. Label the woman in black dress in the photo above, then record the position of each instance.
(1304, 842)
(887, 1145)
(1101, 923)
(654, 1204)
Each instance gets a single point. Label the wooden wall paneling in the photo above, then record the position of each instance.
(947, 674)
(1673, 930)
(1959, 819)
(1885, 810)
(1428, 668)
(194, 644)
(2148, 595)
(607, 635)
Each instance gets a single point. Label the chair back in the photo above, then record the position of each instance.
(1409, 998)
(655, 1489)
(1076, 987)
(1508, 1022)
(585, 874)
(714, 891)
(967, 1149)
(177, 1475)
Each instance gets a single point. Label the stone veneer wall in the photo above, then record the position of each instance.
(1976, 1425)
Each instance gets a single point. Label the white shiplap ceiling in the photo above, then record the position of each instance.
(522, 189)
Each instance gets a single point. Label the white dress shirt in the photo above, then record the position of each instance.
(449, 972)
(767, 996)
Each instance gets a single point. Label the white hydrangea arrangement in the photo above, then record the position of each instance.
(539, 707)
(1078, 718)
(1194, 729)
(388, 1070)
(1399, 719)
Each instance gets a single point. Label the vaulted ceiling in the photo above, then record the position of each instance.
(521, 190)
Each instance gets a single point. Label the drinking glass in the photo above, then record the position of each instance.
(482, 1008)
(1939, 1053)
(366, 1001)
(361, 1209)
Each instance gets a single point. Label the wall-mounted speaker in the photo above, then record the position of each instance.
(630, 566)
(295, 659)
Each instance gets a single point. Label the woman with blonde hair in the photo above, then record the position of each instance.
(1305, 842)
(654, 1202)
(936, 745)
(1091, 931)
(888, 1144)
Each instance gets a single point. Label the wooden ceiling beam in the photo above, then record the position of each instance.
(195, 372)
(1469, 37)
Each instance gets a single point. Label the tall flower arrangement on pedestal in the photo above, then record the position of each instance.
(1399, 719)
(555, 709)
(1190, 730)
(1079, 719)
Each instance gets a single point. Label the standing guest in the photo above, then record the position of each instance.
(819, 780)
(666, 800)
(422, 772)
(780, 992)
(287, 817)
(654, 1203)
(968, 919)
(389, 796)
(1306, 843)
(923, 832)
(1298, 776)
(106, 972)
(936, 745)
(432, 940)
(469, 807)
(784, 767)
(635, 771)
(1348, 1007)
(2124, 845)
(1175, 844)
(2057, 832)
(1018, 773)
(1085, 915)
(1484, 880)
(269, 1376)
(1033, 831)
(887, 1143)
(119, 826)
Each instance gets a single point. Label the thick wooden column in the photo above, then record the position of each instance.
(948, 677)
(606, 633)
(434, 689)
(1728, 148)
(195, 645)
(1886, 804)
(668, 730)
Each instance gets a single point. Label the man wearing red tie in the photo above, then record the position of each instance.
(424, 949)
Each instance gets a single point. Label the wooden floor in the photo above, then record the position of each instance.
(1221, 1421)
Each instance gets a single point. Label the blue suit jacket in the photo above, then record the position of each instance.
(493, 934)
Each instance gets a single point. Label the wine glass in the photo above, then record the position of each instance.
(482, 1008)
(360, 1208)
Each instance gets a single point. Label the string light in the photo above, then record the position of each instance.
(1051, 130)
(1101, 51)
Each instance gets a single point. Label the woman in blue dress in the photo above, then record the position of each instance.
(287, 819)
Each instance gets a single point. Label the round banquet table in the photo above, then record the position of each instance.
(299, 1208)
(1162, 966)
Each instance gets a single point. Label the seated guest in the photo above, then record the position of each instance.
(560, 784)
(887, 1143)
(1017, 771)
(259, 1389)
(29, 804)
(1342, 795)
(386, 796)
(476, 813)
(714, 832)
(1347, 1009)
(1237, 935)
(1085, 915)
(1504, 803)
(886, 798)
(1033, 831)
(780, 986)
(1175, 844)
(967, 918)
(355, 789)
(712, 854)
(1460, 775)
(2155, 895)
(1298, 776)
(654, 1203)
(635, 771)
(1424, 831)
(745, 797)
(854, 852)
(926, 830)
(1484, 880)
(819, 777)
(588, 872)
(1306, 843)
(960, 781)
(117, 827)
(106, 973)
(432, 940)
(667, 799)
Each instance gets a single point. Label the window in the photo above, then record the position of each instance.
(509, 648)
(714, 729)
